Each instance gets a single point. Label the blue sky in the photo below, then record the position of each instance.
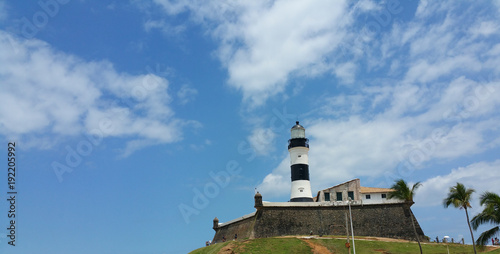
(136, 123)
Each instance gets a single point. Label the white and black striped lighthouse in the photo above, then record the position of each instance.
(298, 146)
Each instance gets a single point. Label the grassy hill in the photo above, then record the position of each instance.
(324, 245)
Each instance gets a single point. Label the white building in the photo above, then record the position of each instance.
(352, 190)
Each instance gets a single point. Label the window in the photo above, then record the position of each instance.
(384, 195)
(339, 196)
(327, 196)
(368, 196)
(350, 194)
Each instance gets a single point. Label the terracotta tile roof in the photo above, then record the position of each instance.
(374, 190)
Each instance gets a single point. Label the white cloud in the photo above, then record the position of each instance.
(278, 183)
(441, 43)
(346, 72)
(436, 38)
(50, 93)
(367, 5)
(186, 94)
(262, 140)
(481, 176)
(494, 51)
(163, 26)
(485, 28)
(423, 71)
(264, 44)
(426, 8)
(341, 105)
(283, 39)
(172, 7)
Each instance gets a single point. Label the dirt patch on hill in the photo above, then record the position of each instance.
(228, 249)
(491, 248)
(316, 248)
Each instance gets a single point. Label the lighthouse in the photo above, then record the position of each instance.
(298, 147)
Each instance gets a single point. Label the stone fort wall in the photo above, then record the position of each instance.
(244, 228)
(379, 220)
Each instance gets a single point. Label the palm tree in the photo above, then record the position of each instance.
(459, 196)
(490, 214)
(403, 192)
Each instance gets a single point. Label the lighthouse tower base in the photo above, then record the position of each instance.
(301, 191)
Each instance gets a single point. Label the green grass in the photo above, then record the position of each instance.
(212, 249)
(295, 245)
(273, 245)
(362, 247)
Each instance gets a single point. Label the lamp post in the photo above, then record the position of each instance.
(347, 244)
(352, 230)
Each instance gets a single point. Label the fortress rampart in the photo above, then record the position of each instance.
(321, 218)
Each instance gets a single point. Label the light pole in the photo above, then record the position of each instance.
(352, 230)
(347, 244)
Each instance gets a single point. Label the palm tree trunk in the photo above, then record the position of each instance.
(415, 230)
(472, 235)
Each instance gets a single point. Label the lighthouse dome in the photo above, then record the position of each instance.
(298, 131)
